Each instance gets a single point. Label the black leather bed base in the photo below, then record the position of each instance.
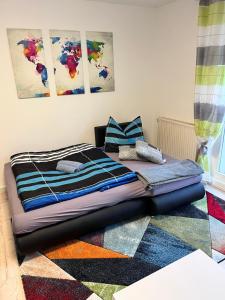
(74, 228)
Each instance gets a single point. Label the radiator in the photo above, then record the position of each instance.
(176, 138)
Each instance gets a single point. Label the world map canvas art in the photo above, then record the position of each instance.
(100, 61)
(28, 60)
(67, 60)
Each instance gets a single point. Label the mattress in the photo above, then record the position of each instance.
(25, 222)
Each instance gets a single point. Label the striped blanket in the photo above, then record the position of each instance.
(39, 184)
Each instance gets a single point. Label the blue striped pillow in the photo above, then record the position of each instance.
(116, 136)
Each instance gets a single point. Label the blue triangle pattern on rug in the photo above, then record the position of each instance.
(189, 211)
(161, 248)
(118, 271)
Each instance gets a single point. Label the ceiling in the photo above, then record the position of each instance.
(147, 3)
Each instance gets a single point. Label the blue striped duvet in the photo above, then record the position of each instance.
(39, 184)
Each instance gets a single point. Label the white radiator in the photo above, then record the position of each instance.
(176, 138)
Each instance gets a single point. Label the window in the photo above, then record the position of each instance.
(218, 162)
(222, 155)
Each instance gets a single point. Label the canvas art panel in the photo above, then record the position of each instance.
(100, 61)
(67, 61)
(28, 61)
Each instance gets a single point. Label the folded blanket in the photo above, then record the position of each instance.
(170, 172)
(69, 166)
(39, 184)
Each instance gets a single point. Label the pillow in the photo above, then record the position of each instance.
(128, 153)
(116, 136)
(144, 150)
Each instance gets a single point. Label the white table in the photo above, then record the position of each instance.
(193, 277)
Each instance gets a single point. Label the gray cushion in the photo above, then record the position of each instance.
(128, 153)
(145, 151)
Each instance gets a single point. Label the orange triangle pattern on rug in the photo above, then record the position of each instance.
(79, 249)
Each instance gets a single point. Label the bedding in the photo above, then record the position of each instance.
(160, 189)
(68, 166)
(147, 152)
(128, 153)
(26, 222)
(116, 136)
(175, 171)
(40, 184)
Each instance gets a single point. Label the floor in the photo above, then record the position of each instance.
(10, 281)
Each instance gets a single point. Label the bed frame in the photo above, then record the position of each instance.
(74, 228)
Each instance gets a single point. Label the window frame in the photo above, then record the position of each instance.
(218, 178)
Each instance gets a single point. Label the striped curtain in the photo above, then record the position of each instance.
(209, 108)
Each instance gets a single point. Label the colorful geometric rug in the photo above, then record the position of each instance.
(216, 211)
(100, 264)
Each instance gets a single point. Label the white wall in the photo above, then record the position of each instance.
(154, 55)
(175, 59)
(45, 123)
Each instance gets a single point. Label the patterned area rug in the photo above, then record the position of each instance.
(216, 211)
(102, 263)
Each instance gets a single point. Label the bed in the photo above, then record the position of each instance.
(50, 225)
